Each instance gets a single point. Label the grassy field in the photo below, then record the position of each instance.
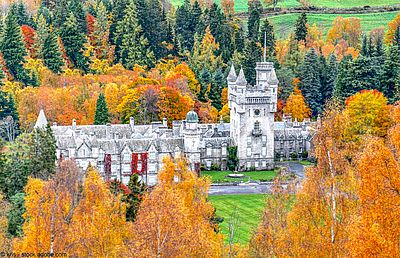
(241, 5)
(351, 3)
(245, 209)
(221, 176)
(284, 24)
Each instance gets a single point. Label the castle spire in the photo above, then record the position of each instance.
(265, 46)
(41, 121)
(232, 74)
(241, 79)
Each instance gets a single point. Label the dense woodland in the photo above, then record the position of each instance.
(107, 60)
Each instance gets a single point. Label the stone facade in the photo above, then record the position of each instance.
(252, 129)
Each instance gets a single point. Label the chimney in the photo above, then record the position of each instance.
(132, 122)
(74, 123)
(54, 124)
(165, 122)
(108, 131)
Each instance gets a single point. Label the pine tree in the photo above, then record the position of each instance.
(331, 76)
(118, 13)
(301, 27)
(42, 32)
(52, 55)
(221, 30)
(154, 23)
(13, 50)
(133, 199)
(102, 115)
(239, 40)
(60, 13)
(310, 83)
(101, 33)
(205, 82)
(43, 153)
(132, 46)
(389, 79)
(216, 89)
(344, 88)
(76, 7)
(267, 30)
(253, 24)
(18, 9)
(15, 218)
(253, 54)
(74, 40)
(7, 106)
(186, 26)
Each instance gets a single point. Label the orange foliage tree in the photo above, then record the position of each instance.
(392, 27)
(296, 106)
(174, 219)
(29, 37)
(348, 29)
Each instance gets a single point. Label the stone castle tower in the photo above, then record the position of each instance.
(252, 109)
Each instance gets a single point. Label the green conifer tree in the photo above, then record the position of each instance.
(133, 199)
(43, 153)
(102, 115)
(101, 33)
(267, 31)
(301, 27)
(205, 81)
(389, 78)
(216, 89)
(253, 54)
(52, 55)
(18, 9)
(310, 81)
(74, 40)
(132, 46)
(77, 8)
(14, 217)
(253, 24)
(186, 26)
(331, 77)
(13, 49)
(118, 13)
(344, 88)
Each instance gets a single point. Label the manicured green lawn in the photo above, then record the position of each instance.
(284, 24)
(221, 176)
(246, 210)
(351, 3)
(306, 163)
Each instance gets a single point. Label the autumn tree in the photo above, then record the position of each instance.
(297, 106)
(348, 29)
(174, 219)
(228, 6)
(5, 242)
(393, 27)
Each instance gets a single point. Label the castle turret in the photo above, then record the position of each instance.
(191, 136)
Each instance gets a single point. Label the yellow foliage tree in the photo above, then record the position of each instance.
(174, 219)
(296, 106)
(392, 27)
(5, 242)
(348, 29)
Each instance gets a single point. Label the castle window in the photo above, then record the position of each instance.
(223, 151)
(257, 126)
(208, 151)
(264, 151)
(248, 164)
(256, 164)
(248, 140)
(257, 112)
(264, 139)
(249, 152)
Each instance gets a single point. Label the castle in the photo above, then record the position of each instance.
(118, 150)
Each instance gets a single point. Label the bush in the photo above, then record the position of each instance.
(215, 167)
(293, 155)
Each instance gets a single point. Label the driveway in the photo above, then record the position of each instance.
(294, 167)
